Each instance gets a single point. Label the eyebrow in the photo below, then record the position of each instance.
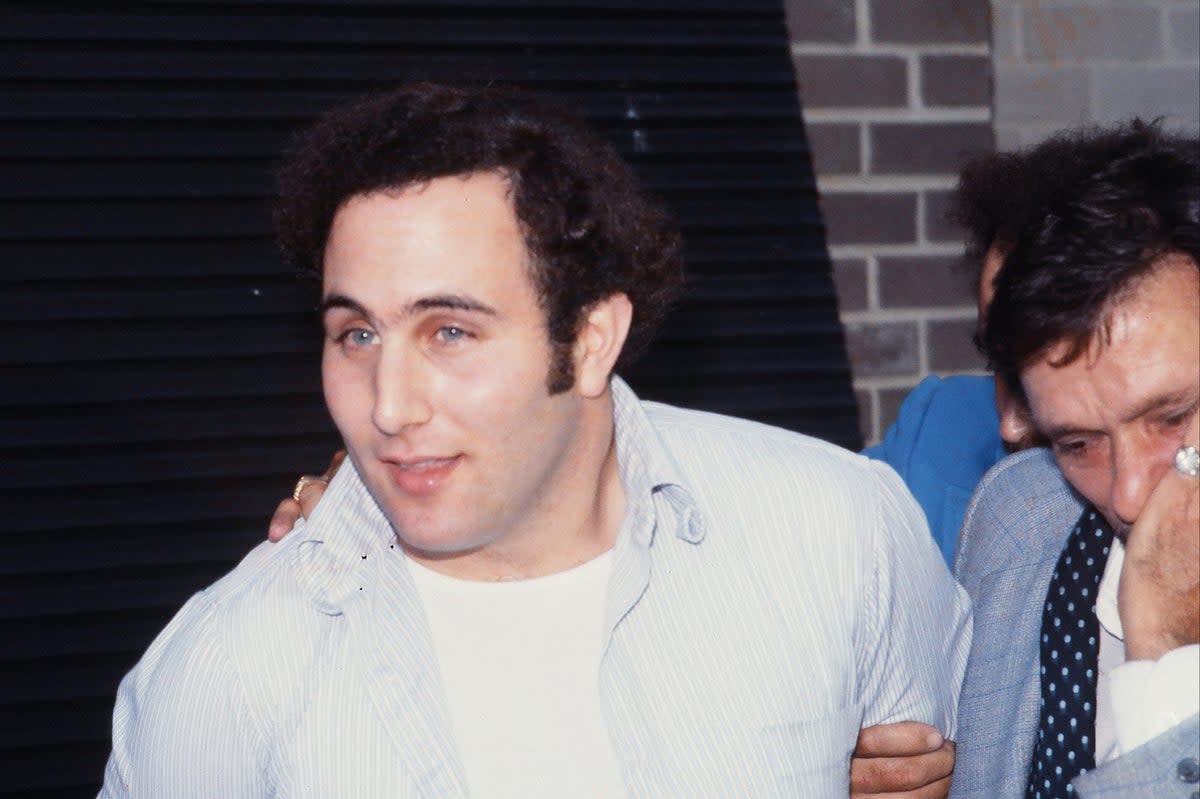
(1149, 406)
(450, 302)
(1152, 404)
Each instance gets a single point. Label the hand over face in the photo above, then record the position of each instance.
(1159, 599)
(292, 509)
(907, 759)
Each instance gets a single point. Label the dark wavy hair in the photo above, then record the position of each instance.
(590, 230)
(1122, 199)
(997, 193)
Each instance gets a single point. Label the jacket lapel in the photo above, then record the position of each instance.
(1014, 532)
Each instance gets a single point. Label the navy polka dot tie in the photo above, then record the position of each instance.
(1065, 745)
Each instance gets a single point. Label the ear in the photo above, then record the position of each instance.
(1016, 425)
(599, 342)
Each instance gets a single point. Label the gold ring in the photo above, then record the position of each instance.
(303, 482)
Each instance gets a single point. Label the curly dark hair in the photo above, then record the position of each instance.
(590, 230)
(997, 193)
(1119, 201)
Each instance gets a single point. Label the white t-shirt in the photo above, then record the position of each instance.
(520, 662)
(1137, 700)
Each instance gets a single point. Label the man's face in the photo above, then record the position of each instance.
(1115, 415)
(435, 366)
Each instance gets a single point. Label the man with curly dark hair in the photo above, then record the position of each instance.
(1090, 313)
(524, 581)
(1083, 559)
(950, 430)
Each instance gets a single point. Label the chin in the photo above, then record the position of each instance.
(433, 542)
(438, 551)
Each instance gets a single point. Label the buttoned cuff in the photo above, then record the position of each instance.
(1150, 697)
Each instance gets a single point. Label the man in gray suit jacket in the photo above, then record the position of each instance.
(1074, 687)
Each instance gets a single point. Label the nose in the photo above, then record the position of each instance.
(401, 393)
(1137, 466)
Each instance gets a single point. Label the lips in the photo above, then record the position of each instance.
(421, 476)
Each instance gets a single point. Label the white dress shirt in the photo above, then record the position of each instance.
(770, 594)
(1137, 700)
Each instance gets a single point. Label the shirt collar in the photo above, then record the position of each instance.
(347, 526)
(1107, 612)
(649, 472)
(340, 543)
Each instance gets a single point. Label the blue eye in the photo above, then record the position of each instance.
(450, 333)
(356, 337)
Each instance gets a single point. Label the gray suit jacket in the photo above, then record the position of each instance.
(1015, 529)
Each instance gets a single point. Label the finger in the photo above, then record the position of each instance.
(897, 740)
(310, 495)
(883, 775)
(935, 790)
(334, 463)
(284, 519)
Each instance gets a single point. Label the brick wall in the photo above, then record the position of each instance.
(895, 93)
(1059, 62)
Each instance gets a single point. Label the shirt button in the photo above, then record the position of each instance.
(1188, 770)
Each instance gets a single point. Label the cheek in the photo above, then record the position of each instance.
(511, 413)
(1092, 481)
(347, 391)
(498, 408)
(1161, 454)
(501, 383)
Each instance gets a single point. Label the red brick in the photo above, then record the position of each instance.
(927, 147)
(851, 81)
(850, 277)
(956, 80)
(938, 225)
(951, 346)
(932, 21)
(870, 218)
(923, 280)
(820, 20)
(884, 349)
(836, 148)
(890, 400)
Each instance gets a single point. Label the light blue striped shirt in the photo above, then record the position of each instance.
(770, 594)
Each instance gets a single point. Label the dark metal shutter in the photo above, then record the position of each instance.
(160, 388)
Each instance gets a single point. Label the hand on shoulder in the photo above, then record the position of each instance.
(300, 505)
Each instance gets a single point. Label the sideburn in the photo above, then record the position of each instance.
(561, 374)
